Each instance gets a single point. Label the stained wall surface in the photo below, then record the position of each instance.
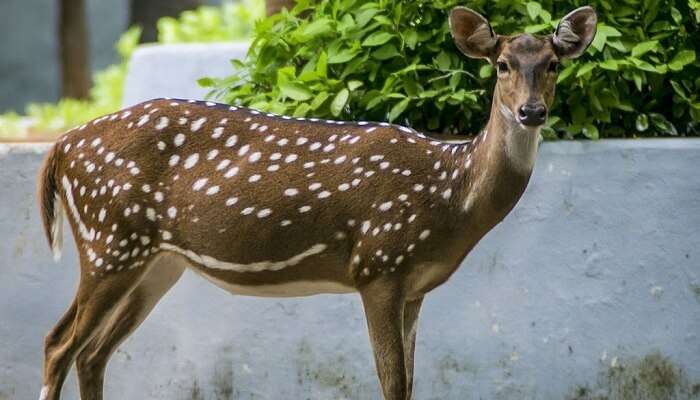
(592, 280)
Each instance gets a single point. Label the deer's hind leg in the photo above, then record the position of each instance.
(96, 299)
(129, 314)
(57, 336)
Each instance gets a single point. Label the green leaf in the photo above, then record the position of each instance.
(617, 45)
(385, 52)
(537, 28)
(428, 94)
(643, 65)
(206, 82)
(681, 59)
(662, 124)
(364, 16)
(302, 110)
(352, 85)
(610, 65)
(608, 30)
(411, 38)
(443, 61)
(533, 9)
(398, 108)
(567, 72)
(377, 39)
(454, 81)
(314, 29)
(676, 15)
(295, 91)
(319, 100)
(486, 71)
(585, 68)
(642, 122)
(679, 90)
(599, 41)
(339, 102)
(590, 131)
(322, 65)
(644, 47)
(638, 80)
(340, 56)
(383, 20)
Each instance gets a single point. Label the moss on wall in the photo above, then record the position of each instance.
(654, 377)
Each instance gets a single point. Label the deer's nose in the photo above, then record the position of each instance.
(532, 114)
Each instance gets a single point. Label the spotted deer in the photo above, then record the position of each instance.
(268, 205)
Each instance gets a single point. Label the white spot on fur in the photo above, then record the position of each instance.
(196, 125)
(191, 161)
(199, 184)
(179, 139)
(254, 178)
(264, 213)
(174, 159)
(162, 123)
(231, 172)
(231, 141)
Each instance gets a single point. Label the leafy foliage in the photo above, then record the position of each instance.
(231, 21)
(395, 61)
(212, 24)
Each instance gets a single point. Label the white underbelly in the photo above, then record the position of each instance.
(288, 289)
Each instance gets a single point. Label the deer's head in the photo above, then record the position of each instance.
(526, 65)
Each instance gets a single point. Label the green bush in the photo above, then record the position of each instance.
(212, 24)
(231, 21)
(395, 61)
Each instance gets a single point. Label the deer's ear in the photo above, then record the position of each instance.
(472, 33)
(575, 32)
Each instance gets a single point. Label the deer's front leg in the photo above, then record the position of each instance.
(410, 325)
(383, 302)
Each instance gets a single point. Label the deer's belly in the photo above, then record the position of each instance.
(427, 276)
(285, 287)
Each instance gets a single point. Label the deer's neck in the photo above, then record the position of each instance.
(500, 164)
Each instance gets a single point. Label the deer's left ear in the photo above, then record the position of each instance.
(575, 32)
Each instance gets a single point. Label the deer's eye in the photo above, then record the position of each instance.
(502, 67)
(553, 66)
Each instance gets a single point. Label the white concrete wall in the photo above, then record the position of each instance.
(598, 265)
(173, 70)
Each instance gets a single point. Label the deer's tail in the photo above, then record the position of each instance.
(50, 205)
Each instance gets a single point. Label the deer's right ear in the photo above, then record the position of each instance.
(472, 33)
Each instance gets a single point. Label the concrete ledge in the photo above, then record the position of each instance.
(596, 268)
(173, 70)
